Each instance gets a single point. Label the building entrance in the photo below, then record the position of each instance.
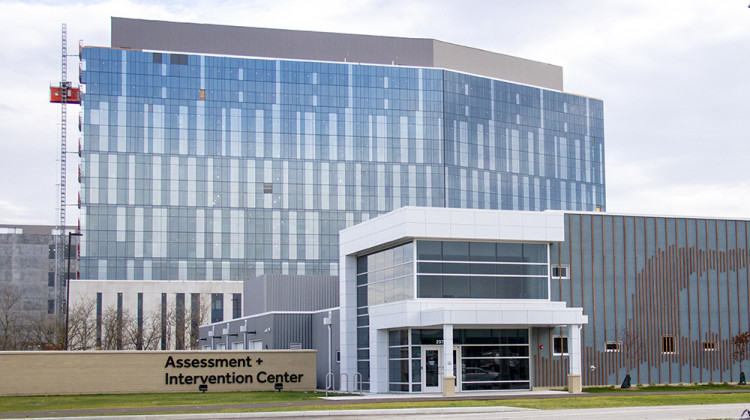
(483, 360)
(432, 368)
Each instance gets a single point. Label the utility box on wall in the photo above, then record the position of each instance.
(123, 372)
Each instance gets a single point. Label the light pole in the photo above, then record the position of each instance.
(67, 286)
(329, 376)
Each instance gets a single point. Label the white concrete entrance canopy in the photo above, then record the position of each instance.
(449, 314)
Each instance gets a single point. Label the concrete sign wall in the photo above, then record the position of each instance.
(115, 372)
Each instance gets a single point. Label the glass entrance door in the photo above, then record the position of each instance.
(432, 368)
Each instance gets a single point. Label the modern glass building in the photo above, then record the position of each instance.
(204, 166)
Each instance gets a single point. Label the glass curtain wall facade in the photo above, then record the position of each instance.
(200, 167)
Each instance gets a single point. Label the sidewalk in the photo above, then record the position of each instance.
(473, 395)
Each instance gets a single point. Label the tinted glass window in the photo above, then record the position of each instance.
(482, 251)
(456, 251)
(455, 287)
(430, 286)
(429, 250)
(509, 252)
(483, 288)
(535, 252)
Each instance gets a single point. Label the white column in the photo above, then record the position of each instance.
(378, 360)
(574, 359)
(574, 349)
(449, 380)
(448, 350)
(227, 298)
(348, 314)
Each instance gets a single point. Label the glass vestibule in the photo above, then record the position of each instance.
(483, 359)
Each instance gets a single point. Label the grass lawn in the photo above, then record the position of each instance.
(670, 388)
(78, 402)
(639, 396)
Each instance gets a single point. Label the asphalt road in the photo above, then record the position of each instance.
(715, 411)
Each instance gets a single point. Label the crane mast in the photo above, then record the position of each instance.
(64, 93)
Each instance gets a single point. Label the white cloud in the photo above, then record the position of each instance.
(13, 213)
(731, 200)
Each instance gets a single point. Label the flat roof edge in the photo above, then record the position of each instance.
(203, 38)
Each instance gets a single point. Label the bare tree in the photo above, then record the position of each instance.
(741, 351)
(82, 325)
(167, 324)
(181, 329)
(123, 331)
(46, 332)
(161, 328)
(145, 336)
(633, 351)
(12, 328)
(178, 327)
(113, 322)
(152, 331)
(632, 347)
(197, 316)
(132, 333)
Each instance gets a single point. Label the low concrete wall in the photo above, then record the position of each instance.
(122, 372)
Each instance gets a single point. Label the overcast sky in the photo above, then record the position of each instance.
(674, 77)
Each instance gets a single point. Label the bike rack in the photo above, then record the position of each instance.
(354, 382)
(343, 382)
(329, 382)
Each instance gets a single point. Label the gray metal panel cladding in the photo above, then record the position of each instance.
(301, 293)
(328, 46)
(264, 42)
(289, 293)
(320, 343)
(292, 328)
(254, 296)
(501, 66)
